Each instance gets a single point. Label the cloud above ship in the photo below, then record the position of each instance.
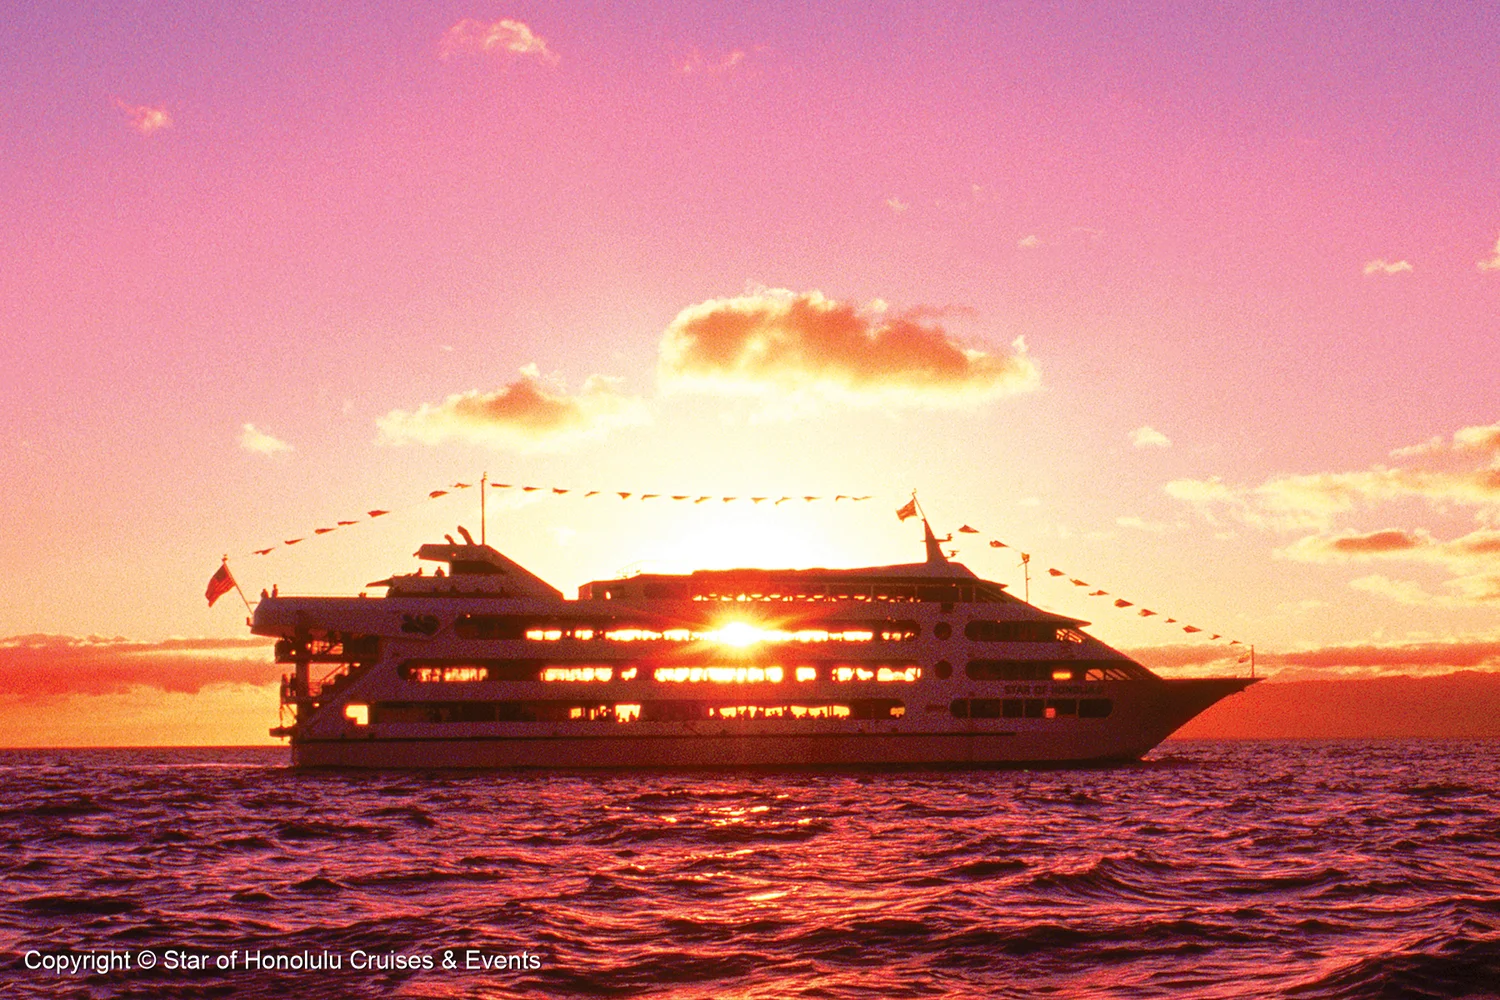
(505, 38)
(1147, 436)
(532, 413)
(778, 343)
(144, 118)
(1454, 473)
(253, 439)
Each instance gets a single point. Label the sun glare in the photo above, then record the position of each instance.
(739, 634)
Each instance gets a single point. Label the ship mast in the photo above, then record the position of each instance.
(484, 487)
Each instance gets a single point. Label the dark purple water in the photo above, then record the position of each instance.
(1216, 869)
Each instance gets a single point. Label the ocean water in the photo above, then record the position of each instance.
(1213, 869)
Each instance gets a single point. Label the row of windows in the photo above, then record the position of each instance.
(735, 588)
(1031, 708)
(1053, 670)
(645, 711)
(475, 671)
(503, 627)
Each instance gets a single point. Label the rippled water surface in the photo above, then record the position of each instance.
(1326, 869)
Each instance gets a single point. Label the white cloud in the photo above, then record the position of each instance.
(258, 441)
(503, 37)
(1028, 241)
(1149, 437)
(1493, 263)
(896, 204)
(145, 119)
(1383, 266)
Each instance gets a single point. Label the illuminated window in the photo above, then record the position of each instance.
(807, 673)
(1062, 674)
(627, 713)
(577, 673)
(628, 674)
(447, 675)
(357, 714)
(887, 674)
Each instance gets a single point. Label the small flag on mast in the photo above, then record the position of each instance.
(910, 510)
(221, 583)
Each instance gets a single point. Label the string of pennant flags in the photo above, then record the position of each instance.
(370, 515)
(908, 510)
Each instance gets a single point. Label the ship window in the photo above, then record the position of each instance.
(911, 673)
(1035, 708)
(1062, 706)
(960, 708)
(720, 674)
(1049, 712)
(807, 673)
(1094, 708)
(430, 671)
(984, 708)
(357, 714)
(1062, 673)
(490, 626)
(942, 630)
(424, 712)
(1011, 708)
(943, 669)
(1021, 631)
(578, 673)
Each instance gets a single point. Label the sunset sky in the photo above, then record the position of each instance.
(1198, 305)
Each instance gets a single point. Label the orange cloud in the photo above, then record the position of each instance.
(34, 667)
(527, 414)
(503, 37)
(1357, 659)
(1464, 471)
(777, 342)
(145, 119)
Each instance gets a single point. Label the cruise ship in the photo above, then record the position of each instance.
(482, 664)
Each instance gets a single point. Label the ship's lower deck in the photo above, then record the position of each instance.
(695, 750)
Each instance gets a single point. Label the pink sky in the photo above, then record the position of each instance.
(1154, 295)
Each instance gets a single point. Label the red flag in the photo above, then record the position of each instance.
(1122, 603)
(377, 513)
(343, 523)
(437, 493)
(910, 510)
(997, 545)
(1146, 612)
(1078, 583)
(322, 531)
(1098, 593)
(221, 583)
(558, 490)
(1191, 628)
(1056, 572)
(262, 552)
(966, 530)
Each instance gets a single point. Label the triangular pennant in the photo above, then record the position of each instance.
(1098, 593)
(345, 524)
(261, 552)
(997, 545)
(624, 496)
(322, 531)
(1120, 603)
(558, 491)
(290, 541)
(377, 513)
(1078, 583)
(1056, 572)
(1191, 628)
(437, 493)
(1146, 613)
(966, 530)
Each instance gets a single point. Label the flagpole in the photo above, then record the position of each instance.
(236, 583)
(484, 487)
